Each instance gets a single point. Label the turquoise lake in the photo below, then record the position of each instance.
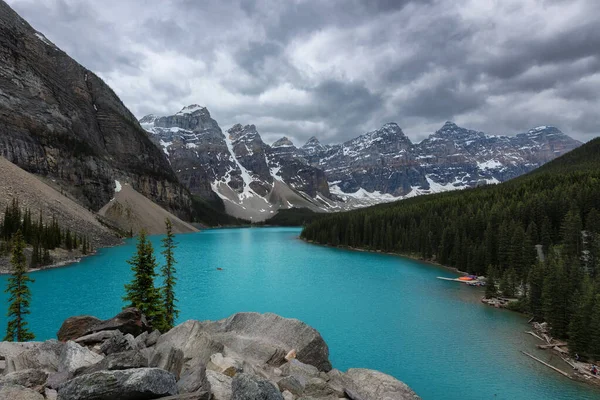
(374, 311)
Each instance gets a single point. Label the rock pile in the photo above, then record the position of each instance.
(248, 356)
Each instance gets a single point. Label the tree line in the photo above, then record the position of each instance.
(42, 235)
(157, 303)
(494, 230)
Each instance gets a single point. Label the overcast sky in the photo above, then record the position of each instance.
(338, 68)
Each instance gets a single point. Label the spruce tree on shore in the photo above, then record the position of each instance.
(141, 292)
(19, 294)
(490, 286)
(168, 274)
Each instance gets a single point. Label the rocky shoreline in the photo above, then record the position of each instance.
(244, 357)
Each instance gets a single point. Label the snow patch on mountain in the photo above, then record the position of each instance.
(490, 164)
(190, 109)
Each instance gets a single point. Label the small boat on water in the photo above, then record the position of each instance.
(470, 280)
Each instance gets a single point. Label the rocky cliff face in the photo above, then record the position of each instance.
(59, 120)
(253, 179)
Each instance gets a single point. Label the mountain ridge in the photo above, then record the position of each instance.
(379, 166)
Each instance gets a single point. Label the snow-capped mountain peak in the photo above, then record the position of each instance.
(283, 142)
(191, 109)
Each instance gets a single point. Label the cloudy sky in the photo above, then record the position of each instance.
(339, 68)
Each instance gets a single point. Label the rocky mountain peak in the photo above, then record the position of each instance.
(283, 142)
(239, 131)
(313, 141)
(388, 134)
(449, 125)
(191, 109)
(451, 131)
(313, 146)
(544, 131)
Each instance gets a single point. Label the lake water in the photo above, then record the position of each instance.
(374, 311)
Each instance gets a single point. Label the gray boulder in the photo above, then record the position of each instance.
(152, 338)
(169, 358)
(9, 350)
(266, 338)
(191, 340)
(74, 357)
(50, 394)
(140, 340)
(118, 343)
(292, 384)
(117, 361)
(56, 379)
(131, 384)
(18, 392)
(297, 368)
(75, 327)
(366, 384)
(317, 387)
(28, 378)
(224, 365)
(220, 385)
(42, 355)
(98, 337)
(248, 387)
(193, 379)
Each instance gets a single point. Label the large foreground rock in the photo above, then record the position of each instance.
(193, 379)
(131, 384)
(17, 392)
(257, 338)
(366, 384)
(41, 355)
(75, 327)
(74, 357)
(117, 361)
(248, 387)
(220, 385)
(130, 320)
(29, 378)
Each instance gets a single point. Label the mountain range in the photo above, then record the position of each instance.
(255, 179)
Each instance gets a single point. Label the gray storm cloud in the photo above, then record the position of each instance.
(336, 69)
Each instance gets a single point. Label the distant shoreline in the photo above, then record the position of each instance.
(423, 260)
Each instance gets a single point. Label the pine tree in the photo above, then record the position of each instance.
(505, 285)
(19, 294)
(68, 240)
(168, 274)
(594, 344)
(571, 234)
(536, 284)
(579, 328)
(84, 245)
(555, 296)
(141, 292)
(490, 284)
(592, 221)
